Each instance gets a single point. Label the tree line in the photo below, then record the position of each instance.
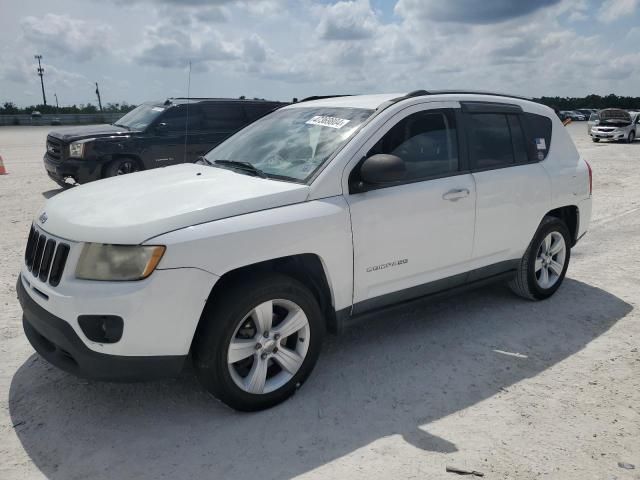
(560, 103)
(591, 101)
(9, 108)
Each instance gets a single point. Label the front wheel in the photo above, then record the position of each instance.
(258, 342)
(632, 136)
(545, 262)
(595, 139)
(121, 166)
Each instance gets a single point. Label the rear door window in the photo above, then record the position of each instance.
(223, 117)
(490, 144)
(517, 139)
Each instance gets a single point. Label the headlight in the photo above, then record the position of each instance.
(76, 149)
(118, 262)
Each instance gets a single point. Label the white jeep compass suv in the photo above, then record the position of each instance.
(303, 221)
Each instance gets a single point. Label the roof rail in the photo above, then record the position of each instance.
(418, 93)
(320, 97)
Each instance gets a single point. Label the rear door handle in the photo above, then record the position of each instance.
(456, 194)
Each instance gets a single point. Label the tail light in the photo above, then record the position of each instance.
(590, 177)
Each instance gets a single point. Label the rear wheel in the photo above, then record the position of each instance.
(544, 265)
(121, 166)
(258, 342)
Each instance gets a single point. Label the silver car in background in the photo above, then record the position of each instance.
(613, 124)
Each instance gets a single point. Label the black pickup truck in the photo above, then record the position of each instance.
(155, 134)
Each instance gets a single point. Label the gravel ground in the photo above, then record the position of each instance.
(484, 381)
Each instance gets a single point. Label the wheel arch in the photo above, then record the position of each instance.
(307, 268)
(118, 156)
(570, 215)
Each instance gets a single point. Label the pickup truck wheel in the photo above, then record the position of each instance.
(544, 264)
(258, 342)
(121, 166)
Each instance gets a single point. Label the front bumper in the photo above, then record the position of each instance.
(55, 340)
(608, 135)
(81, 171)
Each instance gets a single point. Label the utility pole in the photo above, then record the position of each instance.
(98, 94)
(57, 106)
(41, 75)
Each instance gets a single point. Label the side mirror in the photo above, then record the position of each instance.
(381, 169)
(162, 128)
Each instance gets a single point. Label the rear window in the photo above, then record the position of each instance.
(538, 135)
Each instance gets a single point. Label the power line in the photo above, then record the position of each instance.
(41, 75)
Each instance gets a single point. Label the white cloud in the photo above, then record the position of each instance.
(65, 36)
(347, 20)
(612, 10)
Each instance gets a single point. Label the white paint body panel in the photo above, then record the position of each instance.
(131, 208)
(220, 220)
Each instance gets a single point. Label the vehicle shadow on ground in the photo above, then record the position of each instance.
(52, 193)
(393, 375)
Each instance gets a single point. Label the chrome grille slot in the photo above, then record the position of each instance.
(31, 247)
(37, 256)
(58, 264)
(47, 256)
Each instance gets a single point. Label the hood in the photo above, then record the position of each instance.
(133, 208)
(68, 134)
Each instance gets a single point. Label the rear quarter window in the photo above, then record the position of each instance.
(538, 136)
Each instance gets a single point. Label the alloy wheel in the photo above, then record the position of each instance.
(550, 260)
(268, 346)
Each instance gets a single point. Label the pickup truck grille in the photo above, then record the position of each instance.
(54, 148)
(45, 257)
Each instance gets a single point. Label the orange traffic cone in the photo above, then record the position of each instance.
(3, 171)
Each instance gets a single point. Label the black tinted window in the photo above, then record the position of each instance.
(256, 111)
(176, 118)
(490, 143)
(538, 135)
(426, 141)
(227, 117)
(517, 138)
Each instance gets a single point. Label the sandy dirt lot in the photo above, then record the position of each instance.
(485, 380)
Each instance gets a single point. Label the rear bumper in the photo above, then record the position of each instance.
(81, 171)
(55, 340)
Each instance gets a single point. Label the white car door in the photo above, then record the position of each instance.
(409, 234)
(513, 190)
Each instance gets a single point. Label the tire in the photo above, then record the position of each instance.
(529, 281)
(595, 139)
(236, 315)
(632, 136)
(121, 166)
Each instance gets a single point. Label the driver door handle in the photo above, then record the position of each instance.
(456, 194)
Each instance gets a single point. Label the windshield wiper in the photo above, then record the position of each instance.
(120, 125)
(243, 166)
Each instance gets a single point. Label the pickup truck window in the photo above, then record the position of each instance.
(140, 117)
(292, 143)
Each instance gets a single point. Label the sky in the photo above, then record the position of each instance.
(139, 50)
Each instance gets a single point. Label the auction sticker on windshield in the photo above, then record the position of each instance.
(325, 121)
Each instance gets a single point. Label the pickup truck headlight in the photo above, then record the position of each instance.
(76, 149)
(118, 262)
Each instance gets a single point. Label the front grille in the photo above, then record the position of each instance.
(54, 148)
(45, 258)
